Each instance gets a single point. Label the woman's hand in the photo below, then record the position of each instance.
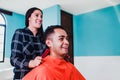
(36, 62)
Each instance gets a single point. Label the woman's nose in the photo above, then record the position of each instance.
(66, 41)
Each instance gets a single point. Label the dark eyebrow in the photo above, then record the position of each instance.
(61, 36)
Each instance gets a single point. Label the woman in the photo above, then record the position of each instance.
(27, 44)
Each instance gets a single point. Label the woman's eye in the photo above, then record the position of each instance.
(61, 39)
(36, 15)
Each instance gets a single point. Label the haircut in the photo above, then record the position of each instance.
(50, 30)
(28, 14)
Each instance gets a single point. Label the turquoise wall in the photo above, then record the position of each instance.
(51, 16)
(97, 33)
(13, 22)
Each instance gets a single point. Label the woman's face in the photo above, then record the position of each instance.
(35, 20)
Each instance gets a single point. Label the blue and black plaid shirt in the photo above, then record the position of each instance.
(24, 47)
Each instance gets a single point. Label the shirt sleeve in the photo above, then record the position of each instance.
(17, 58)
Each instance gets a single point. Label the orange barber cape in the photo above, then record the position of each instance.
(54, 69)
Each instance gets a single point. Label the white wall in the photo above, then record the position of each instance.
(99, 68)
(6, 70)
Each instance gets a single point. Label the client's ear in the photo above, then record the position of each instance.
(48, 43)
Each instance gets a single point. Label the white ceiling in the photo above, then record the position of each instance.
(71, 6)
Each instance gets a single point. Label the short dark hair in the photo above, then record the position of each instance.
(50, 29)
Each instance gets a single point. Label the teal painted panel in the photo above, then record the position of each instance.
(97, 33)
(13, 22)
(51, 16)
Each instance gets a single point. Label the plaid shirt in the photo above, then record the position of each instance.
(24, 47)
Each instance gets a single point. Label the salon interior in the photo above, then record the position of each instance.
(93, 26)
